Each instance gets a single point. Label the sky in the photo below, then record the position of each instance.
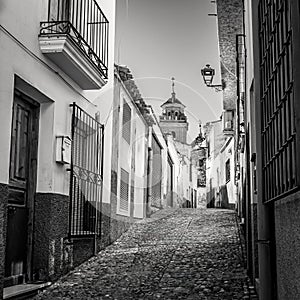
(161, 39)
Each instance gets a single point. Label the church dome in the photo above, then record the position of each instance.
(173, 100)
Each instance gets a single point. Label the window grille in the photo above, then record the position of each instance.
(126, 129)
(86, 174)
(277, 98)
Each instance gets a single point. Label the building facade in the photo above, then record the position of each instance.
(268, 184)
(220, 167)
(129, 158)
(52, 149)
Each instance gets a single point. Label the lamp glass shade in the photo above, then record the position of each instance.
(208, 74)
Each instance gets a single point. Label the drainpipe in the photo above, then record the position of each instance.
(264, 253)
(149, 172)
(149, 182)
(263, 210)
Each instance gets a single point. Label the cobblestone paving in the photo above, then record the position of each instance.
(176, 254)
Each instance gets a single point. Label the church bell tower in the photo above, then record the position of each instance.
(173, 119)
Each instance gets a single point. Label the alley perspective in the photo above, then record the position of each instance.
(149, 149)
(175, 254)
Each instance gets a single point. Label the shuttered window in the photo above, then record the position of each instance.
(126, 128)
(124, 190)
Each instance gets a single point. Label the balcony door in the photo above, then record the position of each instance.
(22, 183)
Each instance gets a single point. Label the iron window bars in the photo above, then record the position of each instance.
(84, 22)
(277, 98)
(86, 176)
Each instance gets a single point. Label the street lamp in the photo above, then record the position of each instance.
(208, 74)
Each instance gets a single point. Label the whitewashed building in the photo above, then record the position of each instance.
(56, 59)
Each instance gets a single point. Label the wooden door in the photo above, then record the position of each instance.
(22, 183)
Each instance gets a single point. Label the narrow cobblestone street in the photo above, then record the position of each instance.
(176, 254)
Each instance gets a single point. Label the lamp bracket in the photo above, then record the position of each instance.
(217, 87)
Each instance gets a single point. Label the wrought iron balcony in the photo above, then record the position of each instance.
(75, 37)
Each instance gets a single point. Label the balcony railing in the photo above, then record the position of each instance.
(84, 22)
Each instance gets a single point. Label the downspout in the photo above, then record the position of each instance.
(149, 175)
(263, 210)
(237, 130)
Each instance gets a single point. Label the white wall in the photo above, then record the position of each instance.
(103, 98)
(20, 55)
(158, 133)
(132, 154)
(140, 180)
(228, 153)
(176, 169)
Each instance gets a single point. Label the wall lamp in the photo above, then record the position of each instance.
(208, 74)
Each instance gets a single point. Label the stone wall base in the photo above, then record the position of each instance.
(52, 255)
(3, 220)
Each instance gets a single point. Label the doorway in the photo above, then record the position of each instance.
(22, 187)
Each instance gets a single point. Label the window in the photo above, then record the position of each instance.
(200, 163)
(278, 133)
(228, 120)
(208, 148)
(227, 170)
(126, 128)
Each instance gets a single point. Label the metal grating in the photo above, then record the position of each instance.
(84, 22)
(86, 174)
(124, 190)
(277, 98)
(126, 129)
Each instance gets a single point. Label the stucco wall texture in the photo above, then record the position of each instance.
(287, 229)
(230, 23)
(51, 231)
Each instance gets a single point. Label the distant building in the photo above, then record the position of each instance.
(173, 119)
